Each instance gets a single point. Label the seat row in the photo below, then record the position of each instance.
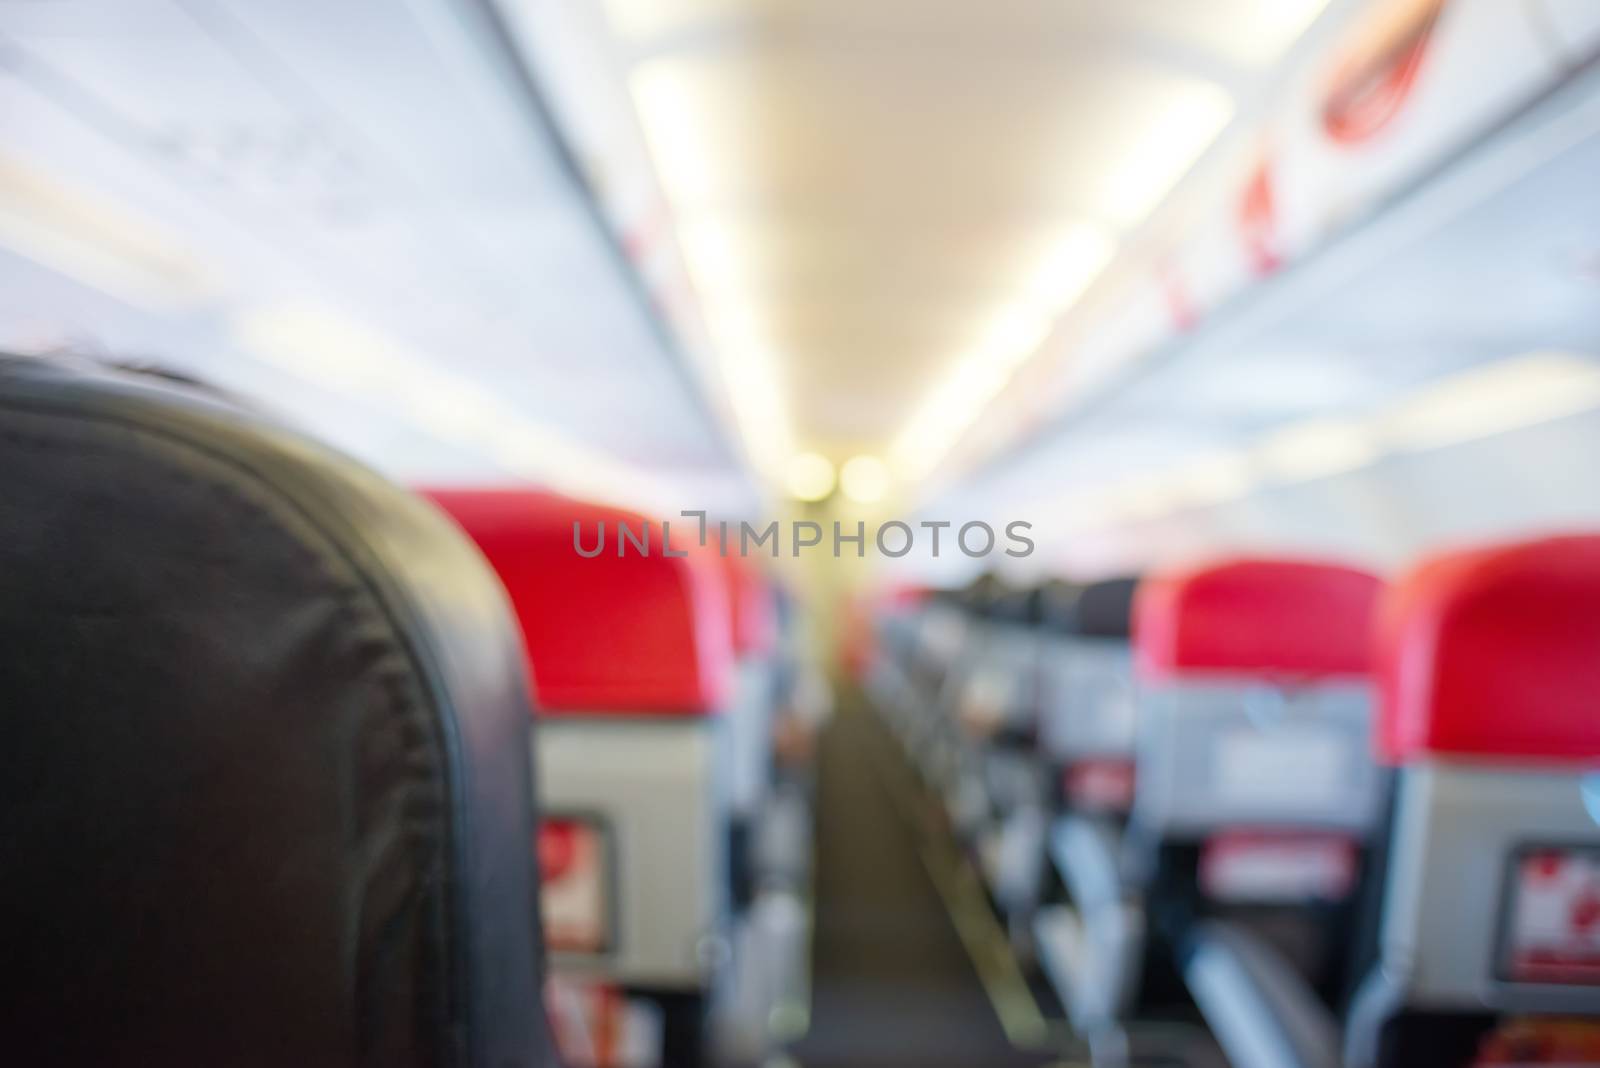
(1332, 820)
(675, 846)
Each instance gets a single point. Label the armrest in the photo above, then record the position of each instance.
(1260, 1009)
(1086, 854)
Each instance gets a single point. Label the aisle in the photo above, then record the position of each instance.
(892, 985)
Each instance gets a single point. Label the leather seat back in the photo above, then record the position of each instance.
(264, 797)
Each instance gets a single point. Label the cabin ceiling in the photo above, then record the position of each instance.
(885, 209)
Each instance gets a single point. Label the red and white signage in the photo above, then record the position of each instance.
(1271, 866)
(576, 888)
(1553, 918)
(597, 1025)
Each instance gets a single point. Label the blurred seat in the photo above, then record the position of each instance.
(1490, 902)
(263, 797)
(753, 624)
(1086, 695)
(770, 836)
(980, 690)
(1000, 729)
(1088, 942)
(1256, 793)
(633, 656)
(1480, 943)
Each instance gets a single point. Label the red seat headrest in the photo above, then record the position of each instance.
(1290, 618)
(623, 634)
(1494, 653)
(755, 610)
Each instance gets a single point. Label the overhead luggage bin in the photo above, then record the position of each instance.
(633, 658)
(266, 798)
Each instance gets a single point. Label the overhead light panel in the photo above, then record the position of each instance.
(1504, 396)
(328, 348)
(1274, 25)
(718, 254)
(1318, 448)
(1215, 479)
(95, 242)
(1262, 30)
(1184, 122)
(811, 477)
(689, 109)
(944, 415)
(1072, 262)
(750, 369)
(689, 115)
(864, 479)
(318, 344)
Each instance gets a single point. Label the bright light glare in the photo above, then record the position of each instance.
(320, 345)
(750, 370)
(1505, 396)
(1269, 27)
(329, 349)
(1214, 478)
(864, 479)
(720, 262)
(947, 412)
(810, 476)
(1074, 261)
(1166, 146)
(95, 241)
(684, 109)
(1317, 448)
(1525, 391)
(682, 104)
(1146, 498)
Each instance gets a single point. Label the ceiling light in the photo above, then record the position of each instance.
(864, 479)
(1014, 336)
(1318, 448)
(1265, 29)
(318, 344)
(688, 109)
(1073, 261)
(96, 242)
(947, 412)
(750, 371)
(324, 346)
(1168, 143)
(810, 476)
(1490, 400)
(715, 253)
(637, 20)
(682, 101)
(1146, 498)
(1214, 479)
